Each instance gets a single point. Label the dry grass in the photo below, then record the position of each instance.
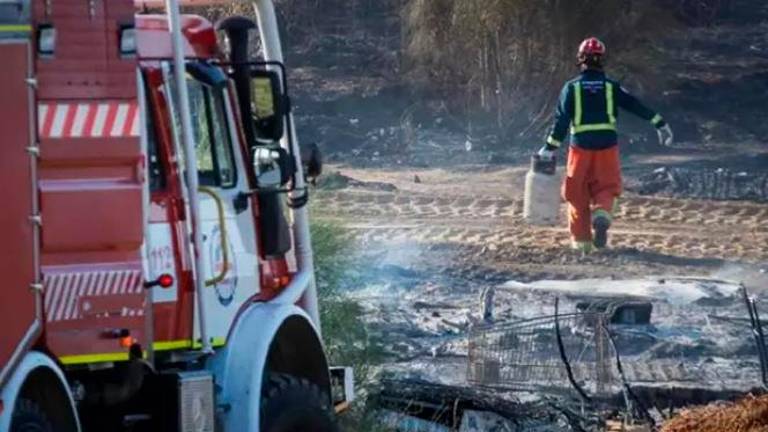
(747, 415)
(510, 57)
(499, 60)
(304, 21)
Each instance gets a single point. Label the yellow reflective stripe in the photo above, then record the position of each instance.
(593, 127)
(186, 344)
(94, 358)
(602, 213)
(609, 103)
(172, 345)
(123, 356)
(578, 117)
(581, 246)
(578, 109)
(215, 341)
(15, 28)
(616, 206)
(656, 120)
(553, 142)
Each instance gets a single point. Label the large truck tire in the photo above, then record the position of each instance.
(29, 417)
(291, 404)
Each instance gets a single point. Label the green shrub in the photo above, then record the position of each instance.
(345, 333)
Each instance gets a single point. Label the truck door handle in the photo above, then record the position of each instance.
(223, 237)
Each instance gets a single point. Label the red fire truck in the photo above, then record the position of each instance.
(155, 243)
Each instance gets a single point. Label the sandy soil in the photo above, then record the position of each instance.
(481, 208)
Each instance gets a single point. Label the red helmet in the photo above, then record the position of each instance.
(591, 47)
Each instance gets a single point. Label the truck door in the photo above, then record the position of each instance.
(228, 227)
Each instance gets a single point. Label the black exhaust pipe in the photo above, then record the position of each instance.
(275, 233)
(236, 29)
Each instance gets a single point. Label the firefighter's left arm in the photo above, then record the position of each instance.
(563, 116)
(629, 102)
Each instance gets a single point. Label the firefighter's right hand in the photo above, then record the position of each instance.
(547, 152)
(666, 137)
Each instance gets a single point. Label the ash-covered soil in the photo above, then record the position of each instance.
(434, 206)
(431, 242)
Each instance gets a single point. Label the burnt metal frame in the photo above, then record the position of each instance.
(564, 356)
(483, 341)
(757, 332)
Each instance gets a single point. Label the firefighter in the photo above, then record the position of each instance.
(589, 105)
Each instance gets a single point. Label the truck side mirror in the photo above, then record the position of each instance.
(269, 105)
(273, 166)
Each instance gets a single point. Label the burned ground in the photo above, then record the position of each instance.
(431, 247)
(433, 203)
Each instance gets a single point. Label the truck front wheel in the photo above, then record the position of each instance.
(291, 404)
(29, 417)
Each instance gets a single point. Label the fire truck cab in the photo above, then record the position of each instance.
(156, 249)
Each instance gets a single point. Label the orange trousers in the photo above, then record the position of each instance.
(592, 184)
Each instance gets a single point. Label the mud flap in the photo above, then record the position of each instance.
(342, 387)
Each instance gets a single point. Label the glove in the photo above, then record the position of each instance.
(547, 152)
(666, 137)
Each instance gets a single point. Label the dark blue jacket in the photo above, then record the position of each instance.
(588, 106)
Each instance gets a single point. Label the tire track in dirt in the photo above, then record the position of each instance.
(547, 240)
(633, 209)
(686, 228)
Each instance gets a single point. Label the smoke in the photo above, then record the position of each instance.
(755, 278)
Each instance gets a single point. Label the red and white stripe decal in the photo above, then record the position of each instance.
(88, 120)
(63, 291)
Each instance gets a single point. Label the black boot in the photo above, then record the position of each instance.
(600, 225)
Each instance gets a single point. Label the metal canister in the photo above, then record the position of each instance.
(542, 193)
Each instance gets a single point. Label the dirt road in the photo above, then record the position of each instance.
(481, 211)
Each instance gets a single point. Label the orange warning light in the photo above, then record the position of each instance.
(127, 341)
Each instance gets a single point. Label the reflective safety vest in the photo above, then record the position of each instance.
(578, 126)
(592, 120)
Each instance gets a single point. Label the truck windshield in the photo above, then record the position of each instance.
(215, 161)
